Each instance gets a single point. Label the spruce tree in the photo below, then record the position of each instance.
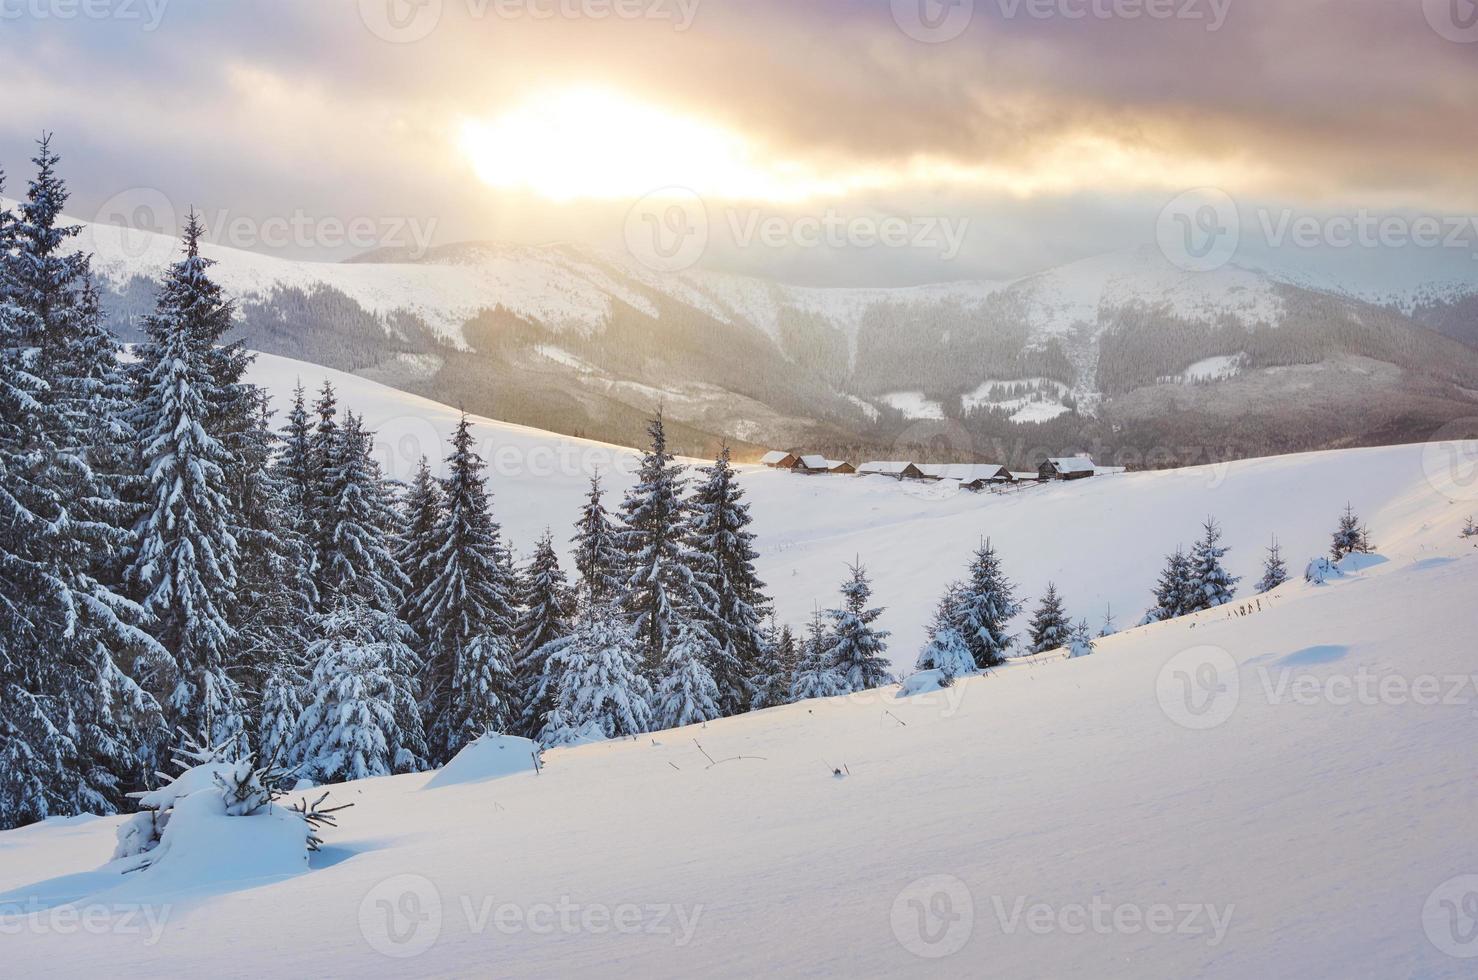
(1080, 641)
(1173, 593)
(858, 650)
(987, 604)
(1211, 585)
(723, 551)
(947, 653)
(1470, 529)
(360, 523)
(76, 730)
(1350, 538)
(775, 672)
(544, 624)
(294, 466)
(185, 566)
(597, 549)
(467, 612)
(602, 691)
(661, 589)
(1050, 627)
(1109, 627)
(687, 694)
(1274, 569)
(348, 726)
(421, 514)
(814, 675)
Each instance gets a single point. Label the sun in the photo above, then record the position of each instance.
(600, 144)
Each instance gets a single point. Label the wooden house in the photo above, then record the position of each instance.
(897, 470)
(780, 460)
(820, 464)
(1067, 468)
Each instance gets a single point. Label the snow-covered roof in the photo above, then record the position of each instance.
(1024, 476)
(1073, 464)
(778, 456)
(814, 462)
(965, 472)
(884, 469)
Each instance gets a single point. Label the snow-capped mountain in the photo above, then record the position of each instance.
(1110, 351)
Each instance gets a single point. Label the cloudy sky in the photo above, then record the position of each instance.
(825, 141)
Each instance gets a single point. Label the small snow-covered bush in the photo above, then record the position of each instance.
(178, 821)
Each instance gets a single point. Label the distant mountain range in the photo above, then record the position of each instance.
(1123, 354)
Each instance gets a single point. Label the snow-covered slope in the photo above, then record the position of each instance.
(1101, 541)
(1283, 793)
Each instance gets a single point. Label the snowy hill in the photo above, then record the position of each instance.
(586, 341)
(1101, 541)
(1282, 793)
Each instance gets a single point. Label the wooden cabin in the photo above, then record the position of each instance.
(970, 476)
(780, 460)
(820, 464)
(1067, 468)
(897, 470)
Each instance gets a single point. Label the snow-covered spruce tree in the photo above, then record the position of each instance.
(947, 653)
(858, 651)
(1172, 594)
(661, 589)
(360, 716)
(275, 593)
(76, 730)
(294, 465)
(420, 515)
(603, 693)
(1211, 585)
(1350, 538)
(1050, 628)
(814, 674)
(775, 673)
(358, 559)
(323, 453)
(724, 554)
(185, 567)
(1080, 640)
(598, 554)
(1110, 626)
(1274, 569)
(1470, 529)
(466, 612)
(279, 706)
(987, 604)
(544, 624)
(687, 694)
